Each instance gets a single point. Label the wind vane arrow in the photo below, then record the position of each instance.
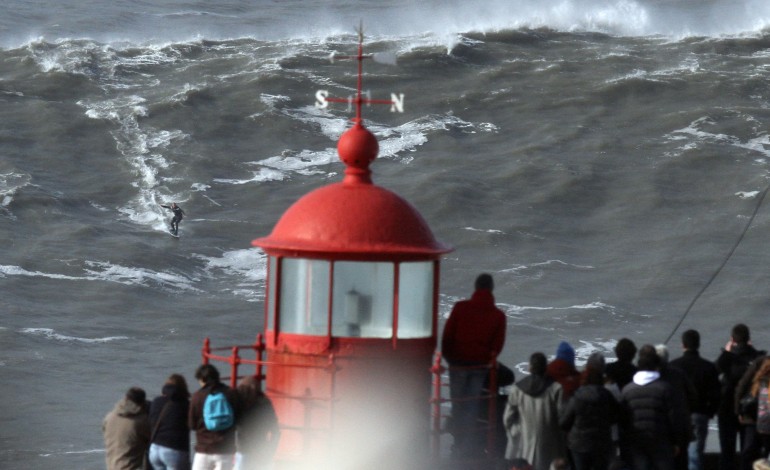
(396, 101)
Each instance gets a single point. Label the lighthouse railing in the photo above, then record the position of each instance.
(439, 418)
(209, 354)
(235, 360)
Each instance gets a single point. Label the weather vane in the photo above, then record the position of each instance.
(396, 101)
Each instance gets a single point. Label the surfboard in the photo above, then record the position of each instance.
(175, 235)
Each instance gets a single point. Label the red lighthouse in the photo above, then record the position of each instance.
(351, 321)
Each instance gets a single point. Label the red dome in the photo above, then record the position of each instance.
(352, 220)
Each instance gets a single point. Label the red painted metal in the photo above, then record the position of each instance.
(333, 394)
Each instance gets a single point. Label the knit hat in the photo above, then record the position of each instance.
(565, 352)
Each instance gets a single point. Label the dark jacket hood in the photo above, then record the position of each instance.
(534, 385)
(173, 392)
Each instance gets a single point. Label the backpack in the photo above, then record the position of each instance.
(217, 412)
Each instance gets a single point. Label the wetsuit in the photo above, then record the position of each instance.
(178, 216)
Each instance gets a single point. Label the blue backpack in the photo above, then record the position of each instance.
(217, 413)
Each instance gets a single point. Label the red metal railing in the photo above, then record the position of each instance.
(436, 401)
(438, 417)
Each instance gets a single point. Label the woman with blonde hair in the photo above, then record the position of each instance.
(170, 441)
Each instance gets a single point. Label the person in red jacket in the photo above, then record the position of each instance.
(473, 337)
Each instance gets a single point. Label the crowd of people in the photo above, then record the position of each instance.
(640, 412)
(235, 431)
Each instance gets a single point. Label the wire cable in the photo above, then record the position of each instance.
(719, 269)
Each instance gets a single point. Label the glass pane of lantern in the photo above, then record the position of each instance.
(363, 299)
(415, 300)
(304, 305)
(272, 270)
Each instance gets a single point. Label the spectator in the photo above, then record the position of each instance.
(532, 418)
(684, 394)
(257, 434)
(562, 369)
(170, 441)
(750, 386)
(588, 419)
(126, 432)
(651, 423)
(622, 371)
(473, 337)
(704, 377)
(214, 450)
(732, 364)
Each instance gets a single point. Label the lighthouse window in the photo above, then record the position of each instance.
(272, 272)
(415, 300)
(304, 296)
(362, 303)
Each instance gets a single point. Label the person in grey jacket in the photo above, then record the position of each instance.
(531, 418)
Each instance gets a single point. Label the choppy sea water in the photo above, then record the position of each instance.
(602, 159)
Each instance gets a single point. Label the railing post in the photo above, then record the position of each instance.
(436, 406)
(492, 409)
(259, 347)
(206, 350)
(234, 361)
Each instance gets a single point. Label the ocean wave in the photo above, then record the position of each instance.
(108, 272)
(704, 130)
(245, 270)
(524, 267)
(10, 184)
(49, 333)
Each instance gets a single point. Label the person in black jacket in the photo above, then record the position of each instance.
(170, 441)
(622, 371)
(732, 364)
(652, 422)
(588, 419)
(704, 377)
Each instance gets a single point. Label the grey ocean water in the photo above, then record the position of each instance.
(601, 158)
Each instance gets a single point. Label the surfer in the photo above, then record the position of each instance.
(178, 216)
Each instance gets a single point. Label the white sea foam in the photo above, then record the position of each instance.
(524, 267)
(246, 268)
(697, 130)
(102, 271)
(747, 194)
(511, 309)
(49, 333)
(10, 184)
(394, 142)
(138, 276)
(473, 229)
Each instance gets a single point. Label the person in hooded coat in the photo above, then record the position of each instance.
(531, 418)
(653, 422)
(588, 419)
(473, 337)
(170, 443)
(126, 432)
(562, 369)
